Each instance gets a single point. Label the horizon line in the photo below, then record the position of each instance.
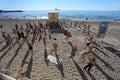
(59, 9)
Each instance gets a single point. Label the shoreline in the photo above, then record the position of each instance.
(65, 18)
(69, 20)
(45, 17)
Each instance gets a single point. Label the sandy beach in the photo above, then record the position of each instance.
(106, 51)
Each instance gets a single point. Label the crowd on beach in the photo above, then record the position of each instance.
(39, 31)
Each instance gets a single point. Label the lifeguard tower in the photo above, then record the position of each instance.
(53, 16)
(53, 19)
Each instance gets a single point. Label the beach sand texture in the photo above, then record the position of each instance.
(106, 51)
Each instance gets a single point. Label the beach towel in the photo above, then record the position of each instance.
(54, 59)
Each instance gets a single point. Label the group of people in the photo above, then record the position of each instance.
(40, 31)
(89, 43)
(89, 49)
(7, 38)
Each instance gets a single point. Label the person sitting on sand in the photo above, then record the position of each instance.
(92, 61)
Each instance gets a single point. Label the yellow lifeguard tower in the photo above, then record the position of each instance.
(53, 16)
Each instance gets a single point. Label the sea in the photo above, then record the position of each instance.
(67, 14)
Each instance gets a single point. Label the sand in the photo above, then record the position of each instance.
(106, 51)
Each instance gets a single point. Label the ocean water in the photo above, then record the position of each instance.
(67, 14)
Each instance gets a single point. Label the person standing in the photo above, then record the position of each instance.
(74, 49)
(10, 42)
(30, 47)
(44, 42)
(88, 28)
(3, 35)
(18, 41)
(55, 45)
(91, 63)
(90, 48)
(1, 26)
(22, 31)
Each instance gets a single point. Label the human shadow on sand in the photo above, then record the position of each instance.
(45, 57)
(83, 76)
(1, 41)
(91, 76)
(106, 64)
(59, 65)
(40, 37)
(4, 47)
(16, 53)
(5, 53)
(114, 51)
(96, 44)
(100, 51)
(14, 43)
(103, 72)
(107, 44)
(29, 69)
(25, 57)
(70, 43)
